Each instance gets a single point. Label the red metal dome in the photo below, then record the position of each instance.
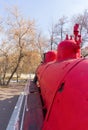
(67, 49)
(50, 56)
(70, 47)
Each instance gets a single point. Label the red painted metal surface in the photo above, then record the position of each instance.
(69, 109)
(33, 118)
(64, 87)
(63, 80)
(50, 56)
(67, 49)
(51, 78)
(70, 47)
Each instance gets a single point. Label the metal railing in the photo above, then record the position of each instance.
(25, 108)
(17, 118)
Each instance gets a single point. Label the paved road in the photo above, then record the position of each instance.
(6, 109)
(8, 100)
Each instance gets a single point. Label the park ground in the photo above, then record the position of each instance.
(8, 99)
(11, 90)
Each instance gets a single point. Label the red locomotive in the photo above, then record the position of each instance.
(63, 81)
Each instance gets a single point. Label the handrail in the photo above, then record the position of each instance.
(15, 122)
(26, 90)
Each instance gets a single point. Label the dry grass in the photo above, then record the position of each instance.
(11, 90)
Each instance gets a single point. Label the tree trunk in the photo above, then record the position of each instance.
(5, 70)
(17, 76)
(15, 69)
(3, 79)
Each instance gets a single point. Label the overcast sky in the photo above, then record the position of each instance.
(45, 11)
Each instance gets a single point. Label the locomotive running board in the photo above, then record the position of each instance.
(33, 119)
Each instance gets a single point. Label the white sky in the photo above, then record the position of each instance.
(45, 11)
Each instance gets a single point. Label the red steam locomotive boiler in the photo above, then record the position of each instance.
(63, 80)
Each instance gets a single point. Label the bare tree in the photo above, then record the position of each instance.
(57, 31)
(19, 35)
(52, 39)
(60, 27)
(41, 44)
(82, 20)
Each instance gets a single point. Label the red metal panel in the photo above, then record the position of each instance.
(60, 86)
(52, 77)
(69, 110)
